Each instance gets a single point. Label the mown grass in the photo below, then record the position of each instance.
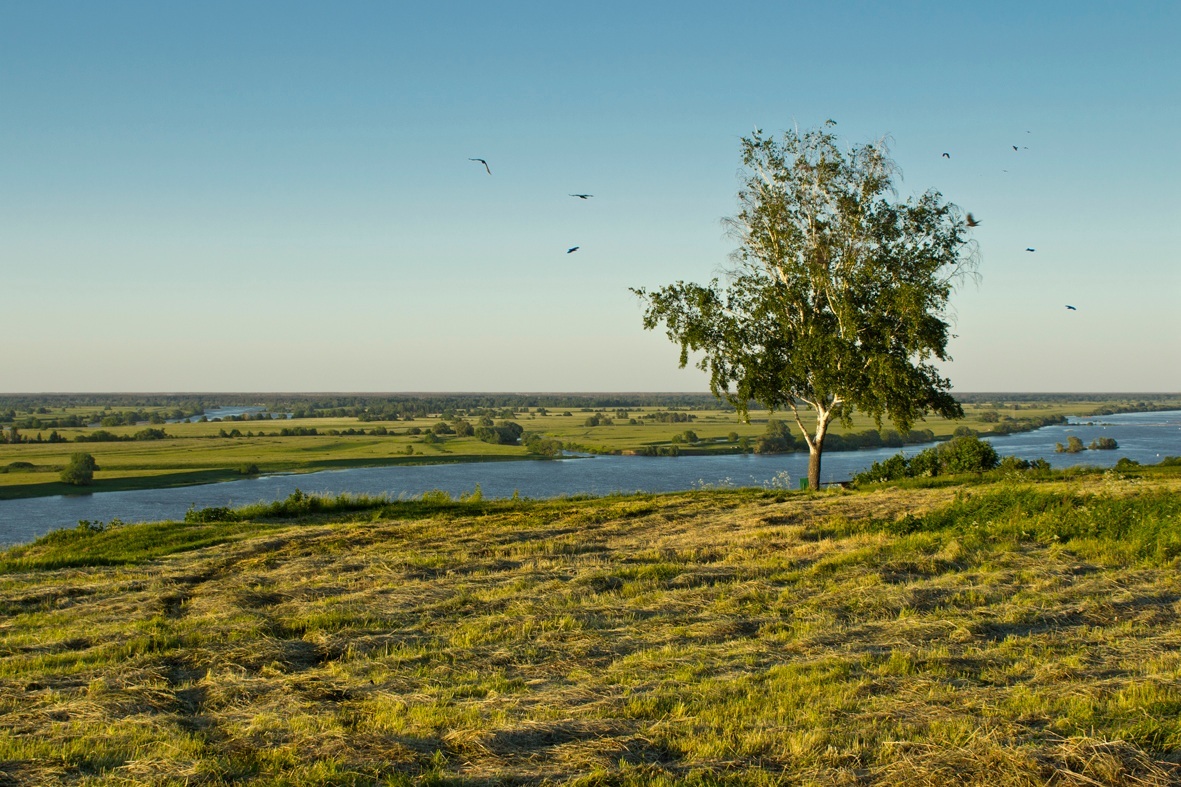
(1015, 633)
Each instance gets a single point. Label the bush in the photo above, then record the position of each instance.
(80, 470)
(1073, 446)
(542, 446)
(777, 439)
(1104, 444)
(1012, 464)
(960, 455)
(503, 433)
(967, 454)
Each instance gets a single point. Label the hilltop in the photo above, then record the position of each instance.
(1018, 632)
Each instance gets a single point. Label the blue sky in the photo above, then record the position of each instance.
(278, 196)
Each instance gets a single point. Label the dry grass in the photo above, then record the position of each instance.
(705, 638)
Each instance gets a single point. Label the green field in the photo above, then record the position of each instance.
(1016, 632)
(195, 453)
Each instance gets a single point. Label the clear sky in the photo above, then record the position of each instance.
(250, 196)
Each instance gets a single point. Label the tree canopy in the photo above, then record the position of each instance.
(80, 469)
(836, 298)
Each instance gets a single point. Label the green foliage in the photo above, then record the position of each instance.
(539, 445)
(967, 454)
(838, 294)
(1073, 446)
(778, 439)
(503, 433)
(80, 470)
(1103, 444)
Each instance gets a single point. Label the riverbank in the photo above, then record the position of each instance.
(171, 480)
(1019, 633)
(131, 457)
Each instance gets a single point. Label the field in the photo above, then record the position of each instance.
(1018, 632)
(195, 453)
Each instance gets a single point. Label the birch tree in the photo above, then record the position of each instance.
(836, 298)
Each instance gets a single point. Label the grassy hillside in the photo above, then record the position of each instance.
(1003, 634)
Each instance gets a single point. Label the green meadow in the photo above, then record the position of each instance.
(195, 453)
(1003, 631)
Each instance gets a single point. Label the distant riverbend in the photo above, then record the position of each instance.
(1143, 437)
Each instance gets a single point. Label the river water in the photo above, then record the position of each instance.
(1144, 437)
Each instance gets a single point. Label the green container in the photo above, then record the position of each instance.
(803, 483)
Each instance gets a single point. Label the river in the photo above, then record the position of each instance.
(1144, 437)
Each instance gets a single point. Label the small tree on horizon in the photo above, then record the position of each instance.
(837, 296)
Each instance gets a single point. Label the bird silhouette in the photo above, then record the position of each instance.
(973, 222)
(946, 155)
(1030, 248)
(482, 161)
(1071, 308)
(572, 249)
(582, 196)
(1014, 147)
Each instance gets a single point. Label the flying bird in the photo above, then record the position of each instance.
(1030, 248)
(946, 155)
(485, 163)
(582, 196)
(1014, 147)
(572, 249)
(1071, 308)
(973, 222)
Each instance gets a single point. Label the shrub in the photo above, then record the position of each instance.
(1073, 446)
(777, 439)
(1012, 464)
(503, 433)
(80, 470)
(542, 446)
(1104, 444)
(967, 454)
